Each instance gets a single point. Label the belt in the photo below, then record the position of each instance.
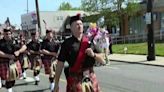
(47, 57)
(4, 60)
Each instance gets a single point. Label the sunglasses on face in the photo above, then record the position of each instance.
(7, 33)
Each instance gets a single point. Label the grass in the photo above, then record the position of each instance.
(138, 48)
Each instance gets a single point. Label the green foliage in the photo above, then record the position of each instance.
(113, 14)
(132, 9)
(67, 6)
(89, 5)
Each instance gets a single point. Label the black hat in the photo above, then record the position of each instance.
(6, 30)
(33, 33)
(75, 18)
(47, 31)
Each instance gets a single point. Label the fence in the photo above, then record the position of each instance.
(137, 38)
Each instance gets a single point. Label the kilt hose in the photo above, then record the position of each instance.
(74, 83)
(4, 69)
(47, 65)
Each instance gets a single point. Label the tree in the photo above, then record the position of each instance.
(129, 10)
(115, 12)
(100, 7)
(67, 6)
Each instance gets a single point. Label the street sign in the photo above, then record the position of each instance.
(148, 18)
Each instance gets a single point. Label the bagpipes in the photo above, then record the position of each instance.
(46, 26)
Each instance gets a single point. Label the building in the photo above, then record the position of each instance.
(55, 20)
(138, 24)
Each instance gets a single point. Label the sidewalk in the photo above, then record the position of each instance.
(139, 59)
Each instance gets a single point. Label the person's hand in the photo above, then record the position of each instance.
(53, 54)
(56, 88)
(16, 53)
(90, 52)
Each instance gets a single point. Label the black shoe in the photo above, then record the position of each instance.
(37, 82)
(3, 85)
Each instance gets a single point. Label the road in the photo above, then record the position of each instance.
(118, 77)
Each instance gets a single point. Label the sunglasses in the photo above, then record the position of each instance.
(7, 33)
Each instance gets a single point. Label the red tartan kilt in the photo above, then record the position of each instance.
(75, 84)
(4, 70)
(19, 67)
(47, 65)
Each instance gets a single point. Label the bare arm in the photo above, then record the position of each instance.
(21, 50)
(4, 55)
(59, 69)
(34, 52)
(46, 52)
(97, 56)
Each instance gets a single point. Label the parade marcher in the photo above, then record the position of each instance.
(1, 81)
(100, 39)
(49, 50)
(1, 34)
(81, 56)
(23, 57)
(34, 47)
(10, 68)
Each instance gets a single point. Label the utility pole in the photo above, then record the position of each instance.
(27, 33)
(150, 36)
(38, 17)
(27, 7)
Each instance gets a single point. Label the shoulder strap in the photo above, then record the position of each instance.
(81, 55)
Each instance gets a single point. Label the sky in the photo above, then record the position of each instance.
(15, 8)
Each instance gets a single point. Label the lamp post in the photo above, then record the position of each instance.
(150, 35)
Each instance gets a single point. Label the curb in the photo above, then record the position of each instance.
(137, 63)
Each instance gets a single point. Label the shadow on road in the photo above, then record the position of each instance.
(40, 90)
(22, 84)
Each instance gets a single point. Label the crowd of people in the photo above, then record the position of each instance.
(81, 51)
(16, 56)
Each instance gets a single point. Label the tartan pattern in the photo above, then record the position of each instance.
(31, 63)
(4, 70)
(19, 68)
(47, 65)
(75, 85)
(35, 63)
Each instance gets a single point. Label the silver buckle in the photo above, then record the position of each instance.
(86, 73)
